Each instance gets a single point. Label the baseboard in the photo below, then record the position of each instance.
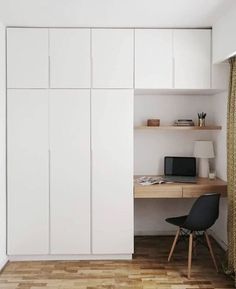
(154, 233)
(220, 242)
(69, 257)
(3, 263)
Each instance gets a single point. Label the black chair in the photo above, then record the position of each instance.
(202, 216)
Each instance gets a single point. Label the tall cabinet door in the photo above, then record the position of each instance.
(112, 162)
(153, 58)
(192, 53)
(70, 61)
(27, 58)
(113, 54)
(70, 171)
(28, 172)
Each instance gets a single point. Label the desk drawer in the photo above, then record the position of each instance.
(194, 192)
(157, 191)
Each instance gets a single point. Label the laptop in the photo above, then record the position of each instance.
(180, 169)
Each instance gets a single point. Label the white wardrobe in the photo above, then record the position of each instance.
(70, 142)
(70, 129)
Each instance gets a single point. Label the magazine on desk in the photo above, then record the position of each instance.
(148, 181)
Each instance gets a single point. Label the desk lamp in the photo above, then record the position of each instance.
(204, 151)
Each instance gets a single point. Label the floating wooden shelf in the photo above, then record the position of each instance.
(172, 127)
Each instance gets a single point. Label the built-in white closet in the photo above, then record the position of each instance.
(70, 129)
(70, 149)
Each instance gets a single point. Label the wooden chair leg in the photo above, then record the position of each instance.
(211, 251)
(194, 244)
(174, 243)
(190, 249)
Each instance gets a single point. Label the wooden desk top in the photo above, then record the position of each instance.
(180, 190)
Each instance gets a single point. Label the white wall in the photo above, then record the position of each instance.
(3, 257)
(224, 46)
(224, 40)
(93, 13)
(220, 228)
(151, 146)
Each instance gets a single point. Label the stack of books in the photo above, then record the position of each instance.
(184, 122)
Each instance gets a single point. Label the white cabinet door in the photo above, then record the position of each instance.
(112, 171)
(112, 52)
(28, 172)
(153, 58)
(27, 58)
(70, 171)
(70, 58)
(192, 53)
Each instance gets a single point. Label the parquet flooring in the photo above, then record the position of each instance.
(149, 269)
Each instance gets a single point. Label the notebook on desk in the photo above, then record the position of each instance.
(180, 169)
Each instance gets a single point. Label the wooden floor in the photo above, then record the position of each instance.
(149, 269)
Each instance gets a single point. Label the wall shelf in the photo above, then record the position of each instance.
(171, 127)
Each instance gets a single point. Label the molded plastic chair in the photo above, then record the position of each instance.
(204, 213)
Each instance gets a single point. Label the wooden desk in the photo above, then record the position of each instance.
(180, 190)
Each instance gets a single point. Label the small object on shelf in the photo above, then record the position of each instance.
(212, 175)
(201, 118)
(184, 122)
(153, 122)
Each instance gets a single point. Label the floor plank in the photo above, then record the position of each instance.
(149, 269)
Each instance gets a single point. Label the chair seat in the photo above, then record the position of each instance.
(177, 221)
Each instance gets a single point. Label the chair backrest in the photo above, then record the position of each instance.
(204, 213)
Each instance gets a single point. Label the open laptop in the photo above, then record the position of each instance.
(180, 169)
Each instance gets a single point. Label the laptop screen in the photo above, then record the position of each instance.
(180, 166)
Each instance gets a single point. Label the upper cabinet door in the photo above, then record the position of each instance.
(153, 58)
(192, 53)
(27, 58)
(113, 53)
(70, 58)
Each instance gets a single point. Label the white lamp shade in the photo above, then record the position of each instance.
(204, 149)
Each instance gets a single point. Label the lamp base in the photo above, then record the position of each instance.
(203, 171)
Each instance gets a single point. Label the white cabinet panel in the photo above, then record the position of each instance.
(28, 171)
(220, 76)
(70, 58)
(112, 52)
(112, 171)
(192, 53)
(153, 58)
(27, 58)
(70, 171)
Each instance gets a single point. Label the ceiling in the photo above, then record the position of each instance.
(116, 13)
